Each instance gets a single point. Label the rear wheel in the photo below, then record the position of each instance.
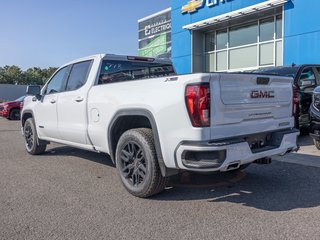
(33, 144)
(317, 144)
(137, 163)
(14, 114)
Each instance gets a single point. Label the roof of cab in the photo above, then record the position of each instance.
(119, 57)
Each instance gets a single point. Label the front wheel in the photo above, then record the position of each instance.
(137, 163)
(316, 143)
(33, 144)
(14, 114)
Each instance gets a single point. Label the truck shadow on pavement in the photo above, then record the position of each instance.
(305, 140)
(276, 187)
(91, 156)
(279, 186)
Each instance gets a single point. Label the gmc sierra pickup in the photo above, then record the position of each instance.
(154, 123)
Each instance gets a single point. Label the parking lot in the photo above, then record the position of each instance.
(73, 194)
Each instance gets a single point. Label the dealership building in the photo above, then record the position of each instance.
(234, 35)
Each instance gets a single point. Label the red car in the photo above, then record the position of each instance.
(11, 110)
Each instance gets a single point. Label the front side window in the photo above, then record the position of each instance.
(56, 83)
(78, 75)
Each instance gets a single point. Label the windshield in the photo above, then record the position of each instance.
(20, 99)
(119, 71)
(282, 71)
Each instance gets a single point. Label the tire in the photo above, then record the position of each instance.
(317, 144)
(137, 163)
(33, 144)
(14, 114)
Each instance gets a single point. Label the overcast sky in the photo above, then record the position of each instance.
(44, 33)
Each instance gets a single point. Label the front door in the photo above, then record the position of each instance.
(46, 109)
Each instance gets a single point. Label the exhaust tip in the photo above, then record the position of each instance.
(266, 160)
(233, 166)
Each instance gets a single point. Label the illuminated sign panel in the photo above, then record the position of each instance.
(155, 35)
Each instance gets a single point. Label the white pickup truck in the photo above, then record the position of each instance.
(154, 123)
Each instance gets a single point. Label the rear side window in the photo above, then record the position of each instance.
(78, 75)
(56, 83)
(119, 71)
(318, 75)
(307, 74)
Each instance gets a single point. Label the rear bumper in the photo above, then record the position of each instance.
(231, 153)
(4, 113)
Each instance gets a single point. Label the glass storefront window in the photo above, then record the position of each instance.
(210, 41)
(266, 54)
(266, 29)
(222, 61)
(210, 62)
(247, 46)
(222, 39)
(237, 59)
(243, 35)
(279, 27)
(279, 53)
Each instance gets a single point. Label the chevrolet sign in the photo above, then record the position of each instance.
(193, 5)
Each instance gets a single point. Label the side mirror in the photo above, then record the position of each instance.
(33, 90)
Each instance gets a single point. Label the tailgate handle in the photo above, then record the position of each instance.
(263, 80)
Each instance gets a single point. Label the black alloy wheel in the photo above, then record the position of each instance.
(137, 163)
(28, 136)
(133, 164)
(33, 144)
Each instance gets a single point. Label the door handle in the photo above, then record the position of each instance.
(53, 101)
(79, 99)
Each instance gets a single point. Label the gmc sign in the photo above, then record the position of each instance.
(262, 94)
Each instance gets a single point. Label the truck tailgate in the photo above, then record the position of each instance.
(249, 103)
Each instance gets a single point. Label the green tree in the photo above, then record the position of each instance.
(48, 72)
(11, 75)
(2, 78)
(35, 75)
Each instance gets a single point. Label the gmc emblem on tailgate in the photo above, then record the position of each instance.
(262, 94)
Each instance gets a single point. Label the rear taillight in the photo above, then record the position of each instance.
(198, 104)
(295, 100)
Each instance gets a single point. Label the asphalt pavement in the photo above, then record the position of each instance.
(73, 194)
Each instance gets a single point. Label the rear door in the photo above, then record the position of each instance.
(72, 105)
